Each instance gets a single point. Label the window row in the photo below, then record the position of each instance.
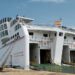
(13, 22)
(3, 33)
(16, 35)
(60, 34)
(17, 27)
(4, 40)
(2, 27)
(65, 37)
(45, 35)
(5, 20)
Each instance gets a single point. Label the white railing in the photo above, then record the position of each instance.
(70, 44)
(5, 55)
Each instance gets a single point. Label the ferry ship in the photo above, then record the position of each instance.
(22, 43)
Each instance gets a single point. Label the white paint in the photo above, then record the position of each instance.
(26, 47)
(20, 51)
(58, 49)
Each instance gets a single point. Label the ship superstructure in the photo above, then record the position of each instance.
(23, 43)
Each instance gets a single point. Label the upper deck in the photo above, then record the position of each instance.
(44, 27)
(10, 28)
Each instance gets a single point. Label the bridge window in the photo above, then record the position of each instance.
(55, 34)
(1, 27)
(64, 37)
(60, 34)
(30, 33)
(6, 32)
(18, 33)
(15, 36)
(73, 38)
(45, 35)
(3, 33)
(5, 26)
(17, 27)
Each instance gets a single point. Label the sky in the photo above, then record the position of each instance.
(42, 11)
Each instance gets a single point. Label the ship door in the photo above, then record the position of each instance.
(72, 56)
(45, 56)
(65, 54)
(34, 53)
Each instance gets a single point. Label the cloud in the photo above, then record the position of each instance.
(55, 1)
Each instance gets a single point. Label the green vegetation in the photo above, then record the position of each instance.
(54, 68)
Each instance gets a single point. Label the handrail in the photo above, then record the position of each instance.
(8, 51)
(4, 53)
(12, 42)
(6, 57)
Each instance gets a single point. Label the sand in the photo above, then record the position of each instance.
(11, 71)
